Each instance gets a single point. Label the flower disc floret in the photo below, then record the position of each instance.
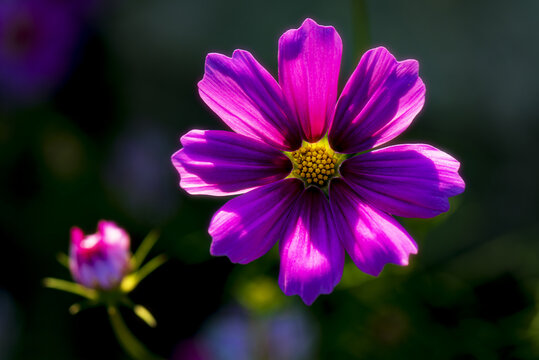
(315, 164)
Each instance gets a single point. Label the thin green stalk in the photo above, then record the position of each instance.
(78, 307)
(127, 340)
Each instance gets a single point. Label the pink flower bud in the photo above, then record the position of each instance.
(99, 260)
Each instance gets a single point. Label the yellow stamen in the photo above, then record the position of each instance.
(315, 163)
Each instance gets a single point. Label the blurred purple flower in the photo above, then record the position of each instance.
(190, 349)
(10, 325)
(304, 160)
(133, 171)
(291, 335)
(84, 9)
(235, 334)
(227, 336)
(99, 260)
(37, 38)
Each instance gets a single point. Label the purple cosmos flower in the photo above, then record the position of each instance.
(302, 160)
(99, 260)
(37, 38)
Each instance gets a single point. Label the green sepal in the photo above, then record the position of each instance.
(145, 315)
(83, 305)
(63, 259)
(143, 250)
(71, 287)
(131, 281)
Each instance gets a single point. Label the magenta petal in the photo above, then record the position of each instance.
(380, 100)
(248, 99)
(219, 163)
(246, 227)
(405, 180)
(371, 237)
(312, 257)
(309, 62)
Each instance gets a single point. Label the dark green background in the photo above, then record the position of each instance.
(100, 148)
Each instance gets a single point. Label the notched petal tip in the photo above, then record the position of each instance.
(379, 101)
(312, 257)
(184, 175)
(411, 66)
(381, 52)
(408, 180)
(308, 296)
(377, 269)
(309, 25)
(371, 237)
(191, 134)
(402, 261)
(248, 99)
(221, 163)
(174, 158)
(309, 64)
(246, 227)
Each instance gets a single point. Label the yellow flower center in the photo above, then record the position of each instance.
(315, 164)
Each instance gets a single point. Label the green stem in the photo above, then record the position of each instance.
(127, 340)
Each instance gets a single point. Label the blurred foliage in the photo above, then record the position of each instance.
(99, 147)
